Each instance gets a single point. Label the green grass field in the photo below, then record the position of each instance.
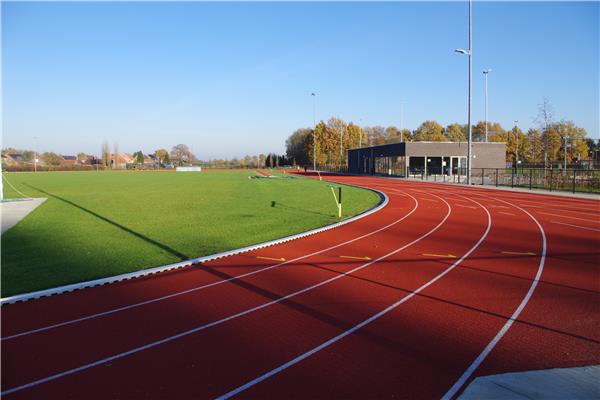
(98, 224)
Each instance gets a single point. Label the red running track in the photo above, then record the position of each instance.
(442, 285)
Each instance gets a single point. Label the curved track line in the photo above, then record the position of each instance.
(467, 374)
(364, 322)
(226, 319)
(198, 288)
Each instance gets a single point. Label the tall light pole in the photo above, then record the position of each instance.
(565, 138)
(486, 72)
(517, 149)
(341, 139)
(35, 154)
(470, 54)
(401, 120)
(314, 96)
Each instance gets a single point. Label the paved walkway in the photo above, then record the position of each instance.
(13, 211)
(560, 383)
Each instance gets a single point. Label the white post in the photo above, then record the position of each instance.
(401, 120)
(517, 149)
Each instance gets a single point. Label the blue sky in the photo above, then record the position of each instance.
(231, 79)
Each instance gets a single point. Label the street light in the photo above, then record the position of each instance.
(314, 96)
(35, 154)
(470, 54)
(517, 149)
(486, 72)
(401, 120)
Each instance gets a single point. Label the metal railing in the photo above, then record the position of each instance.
(571, 180)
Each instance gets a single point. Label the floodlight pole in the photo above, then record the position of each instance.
(517, 149)
(469, 150)
(401, 121)
(486, 73)
(314, 131)
(469, 52)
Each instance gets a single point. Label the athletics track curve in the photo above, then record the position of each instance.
(408, 302)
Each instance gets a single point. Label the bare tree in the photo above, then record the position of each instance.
(181, 154)
(105, 151)
(116, 155)
(545, 118)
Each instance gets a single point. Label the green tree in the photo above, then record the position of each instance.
(52, 159)
(299, 146)
(430, 131)
(138, 156)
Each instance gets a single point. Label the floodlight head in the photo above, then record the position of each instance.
(487, 71)
(312, 94)
(461, 51)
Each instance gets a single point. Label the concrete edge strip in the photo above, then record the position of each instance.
(383, 201)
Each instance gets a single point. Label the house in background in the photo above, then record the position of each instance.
(68, 161)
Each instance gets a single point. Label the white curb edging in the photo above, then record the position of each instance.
(163, 268)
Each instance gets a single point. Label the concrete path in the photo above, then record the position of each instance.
(560, 383)
(13, 211)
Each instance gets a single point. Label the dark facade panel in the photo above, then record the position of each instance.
(485, 155)
(362, 160)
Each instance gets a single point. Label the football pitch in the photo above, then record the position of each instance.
(98, 224)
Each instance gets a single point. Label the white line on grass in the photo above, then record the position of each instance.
(342, 335)
(218, 322)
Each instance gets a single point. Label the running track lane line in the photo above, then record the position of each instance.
(342, 335)
(487, 350)
(576, 226)
(198, 288)
(218, 322)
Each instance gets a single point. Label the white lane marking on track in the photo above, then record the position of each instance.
(566, 216)
(337, 338)
(198, 288)
(467, 374)
(506, 213)
(562, 209)
(223, 320)
(576, 226)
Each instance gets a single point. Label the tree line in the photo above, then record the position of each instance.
(542, 144)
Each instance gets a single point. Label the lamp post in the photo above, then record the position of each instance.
(486, 72)
(341, 140)
(401, 120)
(517, 148)
(35, 155)
(314, 96)
(469, 52)
(565, 138)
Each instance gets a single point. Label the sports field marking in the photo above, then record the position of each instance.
(342, 335)
(270, 258)
(357, 258)
(576, 226)
(519, 253)
(439, 255)
(566, 216)
(487, 350)
(562, 209)
(506, 213)
(198, 288)
(231, 317)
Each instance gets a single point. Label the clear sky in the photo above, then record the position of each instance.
(231, 79)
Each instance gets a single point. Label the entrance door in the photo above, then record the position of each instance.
(455, 165)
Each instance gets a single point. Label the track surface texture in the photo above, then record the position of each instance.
(442, 285)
